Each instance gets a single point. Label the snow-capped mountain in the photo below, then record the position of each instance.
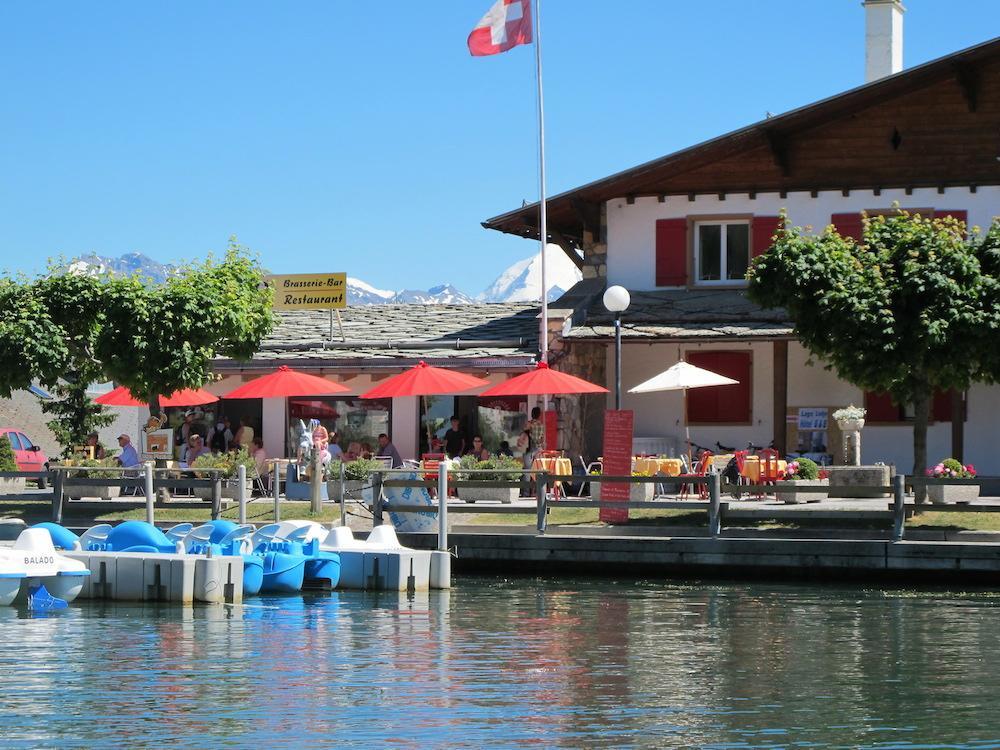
(126, 264)
(519, 283)
(522, 282)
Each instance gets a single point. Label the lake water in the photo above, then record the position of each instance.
(495, 663)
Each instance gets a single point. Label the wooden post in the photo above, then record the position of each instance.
(57, 496)
(958, 403)
(780, 375)
(541, 486)
(898, 507)
(714, 493)
(216, 495)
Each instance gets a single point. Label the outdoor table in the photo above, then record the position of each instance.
(671, 467)
(557, 466)
(751, 468)
(721, 461)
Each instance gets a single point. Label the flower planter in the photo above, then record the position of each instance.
(850, 425)
(479, 494)
(12, 486)
(942, 494)
(79, 491)
(354, 490)
(786, 491)
(638, 492)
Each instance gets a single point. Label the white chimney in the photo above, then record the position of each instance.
(883, 38)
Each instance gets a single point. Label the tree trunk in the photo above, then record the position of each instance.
(921, 414)
(163, 494)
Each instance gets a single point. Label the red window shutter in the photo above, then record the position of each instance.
(724, 404)
(848, 225)
(880, 408)
(671, 252)
(763, 230)
(962, 216)
(941, 406)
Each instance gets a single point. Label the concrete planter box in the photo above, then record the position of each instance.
(12, 486)
(845, 480)
(229, 490)
(851, 425)
(786, 491)
(638, 493)
(941, 494)
(80, 491)
(480, 494)
(354, 490)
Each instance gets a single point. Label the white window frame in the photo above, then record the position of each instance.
(723, 260)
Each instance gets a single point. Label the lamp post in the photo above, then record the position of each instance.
(616, 300)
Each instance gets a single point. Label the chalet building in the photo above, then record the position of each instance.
(680, 231)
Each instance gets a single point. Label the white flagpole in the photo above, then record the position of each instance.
(543, 223)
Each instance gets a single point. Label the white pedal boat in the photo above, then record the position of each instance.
(35, 558)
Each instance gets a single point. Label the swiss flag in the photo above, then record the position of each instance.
(507, 24)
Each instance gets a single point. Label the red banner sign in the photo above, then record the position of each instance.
(617, 462)
(551, 431)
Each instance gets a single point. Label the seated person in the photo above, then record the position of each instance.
(366, 450)
(353, 452)
(504, 449)
(386, 448)
(478, 449)
(334, 447)
(196, 447)
(93, 442)
(259, 455)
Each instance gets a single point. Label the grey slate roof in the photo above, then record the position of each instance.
(678, 313)
(495, 331)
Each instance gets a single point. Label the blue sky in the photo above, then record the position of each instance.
(362, 137)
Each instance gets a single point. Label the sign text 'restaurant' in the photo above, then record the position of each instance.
(309, 291)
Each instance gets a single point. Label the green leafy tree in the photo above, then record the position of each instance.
(153, 338)
(75, 415)
(911, 308)
(7, 462)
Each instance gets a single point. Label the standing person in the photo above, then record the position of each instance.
(244, 435)
(386, 448)
(454, 439)
(537, 429)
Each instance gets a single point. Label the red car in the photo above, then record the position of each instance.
(29, 457)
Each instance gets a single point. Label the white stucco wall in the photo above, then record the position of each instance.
(631, 228)
(662, 414)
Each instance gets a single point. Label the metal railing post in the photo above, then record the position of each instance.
(377, 502)
(57, 496)
(714, 494)
(898, 507)
(150, 497)
(343, 504)
(276, 489)
(443, 468)
(241, 492)
(541, 500)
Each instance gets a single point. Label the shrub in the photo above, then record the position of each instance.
(801, 468)
(228, 462)
(7, 462)
(113, 470)
(358, 470)
(952, 469)
(495, 469)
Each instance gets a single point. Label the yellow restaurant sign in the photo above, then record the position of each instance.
(309, 291)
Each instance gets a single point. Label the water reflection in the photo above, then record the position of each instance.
(524, 662)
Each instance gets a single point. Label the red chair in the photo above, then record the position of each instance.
(704, 463)
(769, 473)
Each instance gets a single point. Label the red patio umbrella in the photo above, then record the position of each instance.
(542, 381)
(122, 396)
(285, 382)
(425, 380)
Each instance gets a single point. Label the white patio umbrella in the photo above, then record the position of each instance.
(681, 377)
